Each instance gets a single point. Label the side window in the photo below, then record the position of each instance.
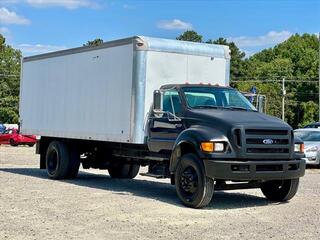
(171, 102)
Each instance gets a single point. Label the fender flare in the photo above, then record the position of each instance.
(191, 139)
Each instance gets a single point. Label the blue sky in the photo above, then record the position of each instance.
(38, 26)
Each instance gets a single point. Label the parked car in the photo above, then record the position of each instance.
(311, 138)
(313, 125)
(2, 128)
(14, 138)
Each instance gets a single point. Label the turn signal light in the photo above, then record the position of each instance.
(302, 147)
(212, 147)
(207, 146)
(299, 147)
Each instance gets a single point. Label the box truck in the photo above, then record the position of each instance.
(160, 103)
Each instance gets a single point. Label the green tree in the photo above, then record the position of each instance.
(310, 110)
(191, 36)
(94, 43)
(9, 82)
(296, 60)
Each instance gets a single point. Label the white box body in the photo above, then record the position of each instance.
(104, 93)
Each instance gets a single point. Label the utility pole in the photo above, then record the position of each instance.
(283, 97)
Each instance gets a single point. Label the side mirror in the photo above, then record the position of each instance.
(157, 102)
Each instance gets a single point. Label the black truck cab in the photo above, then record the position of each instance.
(218, 128)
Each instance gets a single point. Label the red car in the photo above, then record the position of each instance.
(14, 138)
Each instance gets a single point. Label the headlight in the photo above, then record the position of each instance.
(299, 147)
(313, 149)
(212, 147)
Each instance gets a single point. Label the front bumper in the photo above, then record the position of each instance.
(254, 170)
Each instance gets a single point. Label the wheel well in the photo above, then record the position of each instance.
(187, 148)
(42, 150)
(181, 149)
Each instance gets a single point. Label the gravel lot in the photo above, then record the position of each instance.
(94, 206)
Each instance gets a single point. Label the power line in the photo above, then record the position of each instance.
(275, 77)
(8, 75)
(264, 81)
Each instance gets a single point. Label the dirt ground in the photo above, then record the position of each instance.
(94, 206)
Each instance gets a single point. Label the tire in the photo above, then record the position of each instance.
(280, 190)
(13, 143)
(61, 161)
(74, 163)
(31, 145)
(121, 170)
(193, 187)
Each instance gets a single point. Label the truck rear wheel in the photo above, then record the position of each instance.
(61, 161)
(280, 190)
(193, 187)
(124, 170)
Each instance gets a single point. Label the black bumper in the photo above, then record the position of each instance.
(254, 170)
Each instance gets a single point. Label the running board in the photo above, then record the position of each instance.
(153, 175)
(150, 158)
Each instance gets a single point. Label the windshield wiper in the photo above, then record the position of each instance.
(224, 107)
(209, 106)
(240, 108)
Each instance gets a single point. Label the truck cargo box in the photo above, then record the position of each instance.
(105, 92)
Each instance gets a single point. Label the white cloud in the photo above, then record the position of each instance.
(30, 49)
(174, 24)
(69, 4)
(271, 38)
(10, 17)
(4, 31)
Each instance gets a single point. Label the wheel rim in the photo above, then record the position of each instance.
(278, 185)
(52, 162)
(189, 181)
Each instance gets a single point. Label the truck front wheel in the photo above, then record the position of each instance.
(62, 161)
(193, 187)
(280, 190)
(124, 170)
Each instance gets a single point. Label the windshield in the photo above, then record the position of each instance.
(211, 97)
(309, 136)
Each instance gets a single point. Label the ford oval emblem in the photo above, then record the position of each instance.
(267, 141)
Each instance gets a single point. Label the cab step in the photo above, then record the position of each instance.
(153, 175)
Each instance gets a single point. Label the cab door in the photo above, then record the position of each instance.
(164, 129)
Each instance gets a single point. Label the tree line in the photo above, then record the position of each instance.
(296, 60)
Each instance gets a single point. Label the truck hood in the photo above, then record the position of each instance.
(236, 118)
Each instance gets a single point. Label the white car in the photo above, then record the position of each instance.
(311, 139)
